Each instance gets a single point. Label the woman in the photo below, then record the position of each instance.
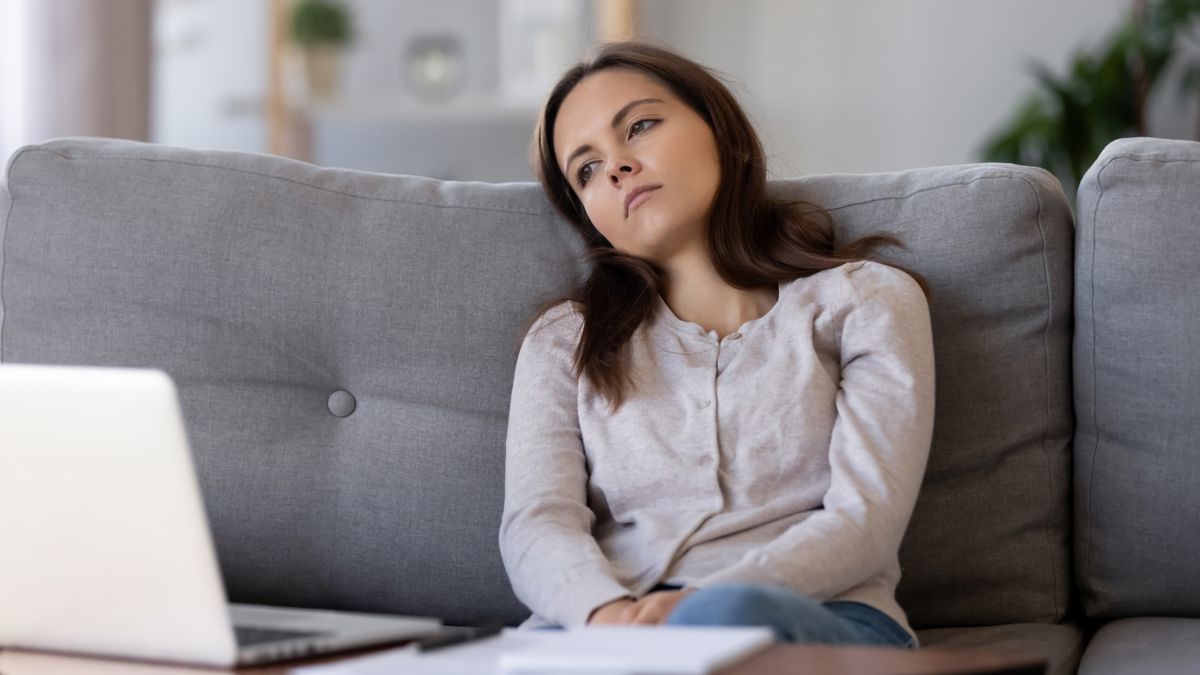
(729, 421)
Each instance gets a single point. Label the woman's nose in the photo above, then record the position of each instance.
(620, 169)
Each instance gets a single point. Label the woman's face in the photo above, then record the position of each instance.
(619, 130)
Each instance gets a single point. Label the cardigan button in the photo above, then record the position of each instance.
(705, 403)
(705, 461)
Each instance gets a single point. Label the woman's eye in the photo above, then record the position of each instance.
(635, 124)
(581, 177)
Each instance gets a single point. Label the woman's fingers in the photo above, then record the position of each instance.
(629, 612)
(652, 609)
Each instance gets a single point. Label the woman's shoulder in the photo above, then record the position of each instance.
(560, 322)
(866, 278)
(859, 285)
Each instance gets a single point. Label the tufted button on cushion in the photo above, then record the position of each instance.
(341, 403)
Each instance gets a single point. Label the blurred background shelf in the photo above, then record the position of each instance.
(468, 140)
(447, 89)
(464, 111)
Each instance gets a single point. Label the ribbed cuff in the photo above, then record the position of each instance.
(582, 594)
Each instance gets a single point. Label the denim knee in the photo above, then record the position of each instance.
(792, 616)
(727, 605)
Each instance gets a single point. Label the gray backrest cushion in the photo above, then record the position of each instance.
(1137, 381)
(264, 286)
(989, 540)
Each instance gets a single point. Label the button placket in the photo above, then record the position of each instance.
(708, 460)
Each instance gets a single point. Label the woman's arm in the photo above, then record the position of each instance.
(878, 449)
(554, 563)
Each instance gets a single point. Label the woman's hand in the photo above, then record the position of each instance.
(656, 607)
(651, 610)
(615, 613)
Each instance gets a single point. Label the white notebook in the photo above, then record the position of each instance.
(658, 650)
(595, 650)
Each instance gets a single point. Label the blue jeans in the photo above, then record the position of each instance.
(793, 616)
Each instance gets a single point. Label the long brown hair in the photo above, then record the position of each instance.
(754, 239)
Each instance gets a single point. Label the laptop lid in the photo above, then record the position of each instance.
(106, 544)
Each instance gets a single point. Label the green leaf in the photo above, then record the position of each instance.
(321, 22)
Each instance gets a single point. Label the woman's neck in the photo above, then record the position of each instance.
(699, 295)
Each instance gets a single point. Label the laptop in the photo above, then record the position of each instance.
(106, 549)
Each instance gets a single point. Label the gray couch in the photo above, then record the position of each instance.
(344, 341)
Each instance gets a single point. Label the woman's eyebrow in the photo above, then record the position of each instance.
(616, 122)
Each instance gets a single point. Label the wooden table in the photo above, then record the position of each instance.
(777, 660)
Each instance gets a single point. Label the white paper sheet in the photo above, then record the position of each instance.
(481, 656)
(617, 649)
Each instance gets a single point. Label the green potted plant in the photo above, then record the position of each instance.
(1067, 121)
(322, 29)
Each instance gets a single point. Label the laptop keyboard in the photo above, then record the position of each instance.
(251, 635)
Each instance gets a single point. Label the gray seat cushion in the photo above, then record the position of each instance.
(1061, 644)
(343, 344)
(1145, 646)
(1137, 381)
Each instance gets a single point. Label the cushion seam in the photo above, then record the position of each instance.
(1046, 430)
(1144, 158)
(1008, 176)
(1087, 533)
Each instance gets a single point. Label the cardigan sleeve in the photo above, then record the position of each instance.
(554, 563)
(878, 449)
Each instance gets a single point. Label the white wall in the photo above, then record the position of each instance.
(210, 74)
(881, 85)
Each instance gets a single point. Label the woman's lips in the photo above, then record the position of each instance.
(641, 197)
